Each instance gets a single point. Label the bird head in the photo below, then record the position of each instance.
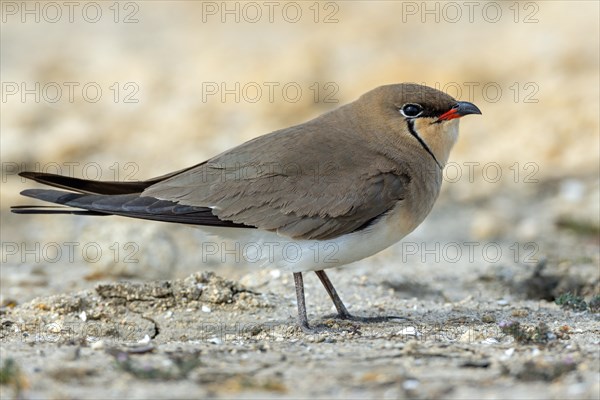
(418, 115)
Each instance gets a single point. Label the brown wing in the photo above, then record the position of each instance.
(298, 182)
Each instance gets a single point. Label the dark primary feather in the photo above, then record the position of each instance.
(29, 209)
(101, 198)
(128, 205)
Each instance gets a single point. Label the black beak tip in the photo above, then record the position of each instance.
(466, 108)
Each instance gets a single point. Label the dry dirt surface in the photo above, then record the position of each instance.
(495, 295)
(472, 328)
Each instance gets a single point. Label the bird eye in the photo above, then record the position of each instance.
(411, 110)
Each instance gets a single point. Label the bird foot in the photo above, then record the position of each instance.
(382, 318)
(330, 327)
(313, 330)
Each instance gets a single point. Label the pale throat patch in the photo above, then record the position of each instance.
(439, 137)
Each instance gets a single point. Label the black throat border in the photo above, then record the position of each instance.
(411, 129)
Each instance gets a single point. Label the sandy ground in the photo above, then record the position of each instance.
(477, 327)
(113, 308)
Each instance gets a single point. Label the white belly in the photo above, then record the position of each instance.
(268, 249)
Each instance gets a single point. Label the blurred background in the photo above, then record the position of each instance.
(132, 90)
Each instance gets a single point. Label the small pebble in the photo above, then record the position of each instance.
(97, 345)
(409, 331)
(489, 341)
(519, 313)
(275, 274)
(572, 190)
(410, 384)
(488, 318)
(145, 340)
(215, 340)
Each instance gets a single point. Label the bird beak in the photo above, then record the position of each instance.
(461, 109)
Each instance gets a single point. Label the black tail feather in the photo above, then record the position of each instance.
(87, 186)
(96, 187)
(86, 197)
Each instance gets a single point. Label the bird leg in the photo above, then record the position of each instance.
(339, 305)
(302, 318)
(341, 308)
(337, 302)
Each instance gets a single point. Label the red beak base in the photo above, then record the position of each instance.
(450, 114)
(461, 109)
